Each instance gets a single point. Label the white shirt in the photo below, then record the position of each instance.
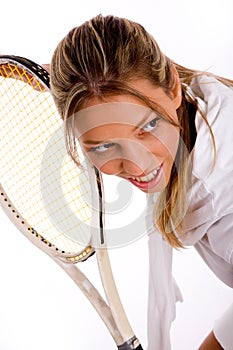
(208, 223)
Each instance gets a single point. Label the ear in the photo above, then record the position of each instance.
(176, 90)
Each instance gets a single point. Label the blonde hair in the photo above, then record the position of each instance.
(99, 59)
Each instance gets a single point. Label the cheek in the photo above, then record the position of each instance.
(93, 159)
(166, 143)
(105, 164)
(172, 142)
(110, 168)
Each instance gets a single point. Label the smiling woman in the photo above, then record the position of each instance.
(135, 133)
(142, 117)
(132, 142)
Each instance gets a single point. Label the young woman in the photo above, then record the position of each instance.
(166, 129)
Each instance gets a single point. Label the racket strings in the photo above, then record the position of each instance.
(47, 189)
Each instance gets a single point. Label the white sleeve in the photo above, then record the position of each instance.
(163, 290)
(163, 293)
(223, 329)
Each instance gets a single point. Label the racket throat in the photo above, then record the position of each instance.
(101, 205)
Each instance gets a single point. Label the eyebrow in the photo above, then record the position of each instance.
(95, 142)
(138, 126)
(144, 119)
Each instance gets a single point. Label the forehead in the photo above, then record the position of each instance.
(111, 113)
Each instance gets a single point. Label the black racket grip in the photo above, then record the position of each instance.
(129, 345)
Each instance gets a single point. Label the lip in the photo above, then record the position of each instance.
(150, 184)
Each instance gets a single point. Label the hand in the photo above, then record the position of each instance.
(210, 343)
(46, 67)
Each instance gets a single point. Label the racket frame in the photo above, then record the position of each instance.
(113, 313)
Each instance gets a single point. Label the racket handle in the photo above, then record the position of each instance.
(129, 345)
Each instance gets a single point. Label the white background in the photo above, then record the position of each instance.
(40, 307)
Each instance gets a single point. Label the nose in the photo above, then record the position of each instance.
(132, 159)
(135, 159)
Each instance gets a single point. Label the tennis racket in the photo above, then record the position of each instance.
(57, 205)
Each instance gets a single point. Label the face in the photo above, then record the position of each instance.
(123, 137)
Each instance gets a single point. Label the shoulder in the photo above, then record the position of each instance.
(209, 198)
(208, 87)
(216, 101)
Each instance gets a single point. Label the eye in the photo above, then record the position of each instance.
(101, 148)
(151, 125)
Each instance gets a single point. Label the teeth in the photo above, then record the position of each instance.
(147, 178)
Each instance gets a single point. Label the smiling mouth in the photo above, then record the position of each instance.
(148, 177)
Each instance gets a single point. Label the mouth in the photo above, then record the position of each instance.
(148, 181)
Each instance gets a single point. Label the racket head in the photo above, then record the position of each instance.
(52, 201)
